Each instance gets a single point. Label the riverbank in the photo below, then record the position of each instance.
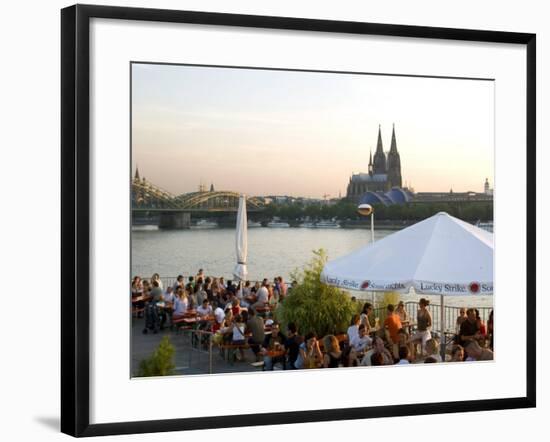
(152, 224)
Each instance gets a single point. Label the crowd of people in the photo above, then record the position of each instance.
(236, 315)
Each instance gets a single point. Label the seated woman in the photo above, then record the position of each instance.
(156, 277)
(180, 304)
(238, 337)
(333, 355)
(432, 350)
(137, 286)
(310, 355)
(236, 306)
(137, 291)
(366, 315)
(457, 353)
(482, 329)
(460, 319)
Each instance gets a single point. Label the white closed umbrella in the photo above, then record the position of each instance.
(241, 241)
(441, 255)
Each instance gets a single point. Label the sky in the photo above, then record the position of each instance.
(266, 132)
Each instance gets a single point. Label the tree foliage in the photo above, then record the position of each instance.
(161, 362)
(314, 306)
(344, 210)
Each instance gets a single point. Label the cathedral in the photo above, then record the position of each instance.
(384, 172)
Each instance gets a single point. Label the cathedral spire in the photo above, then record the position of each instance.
(379, 165)
(379, 148)
(370, 162)
(393, 147)
(136, 176)
(394, 163)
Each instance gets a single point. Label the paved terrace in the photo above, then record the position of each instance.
(187, 360)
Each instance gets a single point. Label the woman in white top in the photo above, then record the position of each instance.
(365, 313)
(238, 337)
(180, 304)
(156, 277)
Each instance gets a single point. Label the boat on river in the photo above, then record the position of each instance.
(323, 224)
(205, 224)
(275, 222)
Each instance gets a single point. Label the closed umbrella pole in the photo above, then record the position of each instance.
(241, 241)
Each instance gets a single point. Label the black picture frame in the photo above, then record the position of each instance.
(75, 213)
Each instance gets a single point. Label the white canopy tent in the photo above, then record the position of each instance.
(441, 255)
(241, 241)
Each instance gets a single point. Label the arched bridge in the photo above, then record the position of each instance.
(148, 197)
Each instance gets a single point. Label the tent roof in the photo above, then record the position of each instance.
(440, 255)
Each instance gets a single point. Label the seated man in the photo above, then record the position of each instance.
(205, 309)
(273, 348)
(404, 355)
(469, 329)
(292, 344)
(219, 316)
(359, 344)
(380, 353)
(255, 326)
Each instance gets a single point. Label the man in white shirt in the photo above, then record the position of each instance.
(262, 296)
(361, 341)
(219, 315)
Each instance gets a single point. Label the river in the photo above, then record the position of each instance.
(271, 252)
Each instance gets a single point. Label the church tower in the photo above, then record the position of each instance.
(394, 163)
(379, 166)
(370, 164)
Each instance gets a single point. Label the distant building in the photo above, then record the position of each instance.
(394, 196)
(486, 189)
(384, 172)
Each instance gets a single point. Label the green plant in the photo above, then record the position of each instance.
(161, 362)
(314, 306)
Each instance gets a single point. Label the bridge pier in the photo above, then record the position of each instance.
(175, 220)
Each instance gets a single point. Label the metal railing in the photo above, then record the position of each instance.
(199, 342)
(451, 314)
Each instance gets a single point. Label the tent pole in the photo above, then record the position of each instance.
(442, 326)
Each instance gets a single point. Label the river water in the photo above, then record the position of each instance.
(271, 252)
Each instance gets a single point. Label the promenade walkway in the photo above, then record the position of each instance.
(143, 347)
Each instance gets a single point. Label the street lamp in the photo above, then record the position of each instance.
(366, 210)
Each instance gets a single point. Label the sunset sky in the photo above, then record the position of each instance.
(265, 132)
